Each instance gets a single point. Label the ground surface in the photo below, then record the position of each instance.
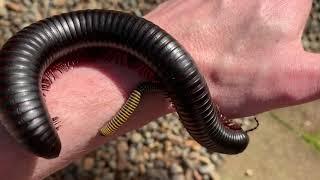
(276, 152)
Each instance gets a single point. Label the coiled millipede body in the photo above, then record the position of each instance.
(26, 56)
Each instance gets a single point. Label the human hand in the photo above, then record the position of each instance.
(250, 52)
(242, 49)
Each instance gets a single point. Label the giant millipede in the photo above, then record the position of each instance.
(25, 57)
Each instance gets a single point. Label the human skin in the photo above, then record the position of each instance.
(249, 52)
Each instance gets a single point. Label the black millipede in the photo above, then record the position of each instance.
(25, 57)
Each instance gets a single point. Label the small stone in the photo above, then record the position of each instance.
(153, 156)
(249, 173)
(122, 162)
(3, 10)
(307, 123)
(146, 155)
(122, 146)
(108, 176)
(188, 175)
(153, 125)
(132, 154)
(159, 155)
(159, 164)
(58, 3)
(189, 163)
(175, 139)
(132, 174)
(216, 159)
(157, 174)
(113, 164)
(14, 6)
(161, 136)
(194, 155)
(2, 3)
(193, 144)
(204, 159)
(149, 141)
(149, 165)
(88, 163)
(105, 156)
(178, 177)
(136, 137)
(142, 168)
(101, 164)
(176, 168)
(167, 146)
(97, 171)
(206, 177)
(4, 23)
(147, 134)
(206, 169)
(197, 175)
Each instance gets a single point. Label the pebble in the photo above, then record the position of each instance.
(249, 172)
(3, 10)
(132, 154)
(136, 137)
(188, 175)
(58, 3)
(108, 176)
(217, 159)
(178, 177)
(88, 163)
(157, 174)
(307, 123)
(122, 161)
(159, 164)
(176, 169)
(142, 168)
(197, 175)
(204, 160)
(205, 169)
(2, 3)
(14, 6)
(113, 165)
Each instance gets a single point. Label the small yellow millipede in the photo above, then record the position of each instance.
(129, 107)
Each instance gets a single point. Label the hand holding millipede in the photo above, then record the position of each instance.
(27, 54)
(232, 62)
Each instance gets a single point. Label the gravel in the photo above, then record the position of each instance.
(160, 150)
(171, 155)
(311, 36)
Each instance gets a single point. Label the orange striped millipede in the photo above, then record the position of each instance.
(25, 57)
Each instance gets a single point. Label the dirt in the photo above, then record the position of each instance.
(276, 152)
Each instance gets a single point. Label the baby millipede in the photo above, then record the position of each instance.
(25, 57)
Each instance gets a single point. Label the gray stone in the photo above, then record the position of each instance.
(136, 137)
(176, 168)
(178, 177)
